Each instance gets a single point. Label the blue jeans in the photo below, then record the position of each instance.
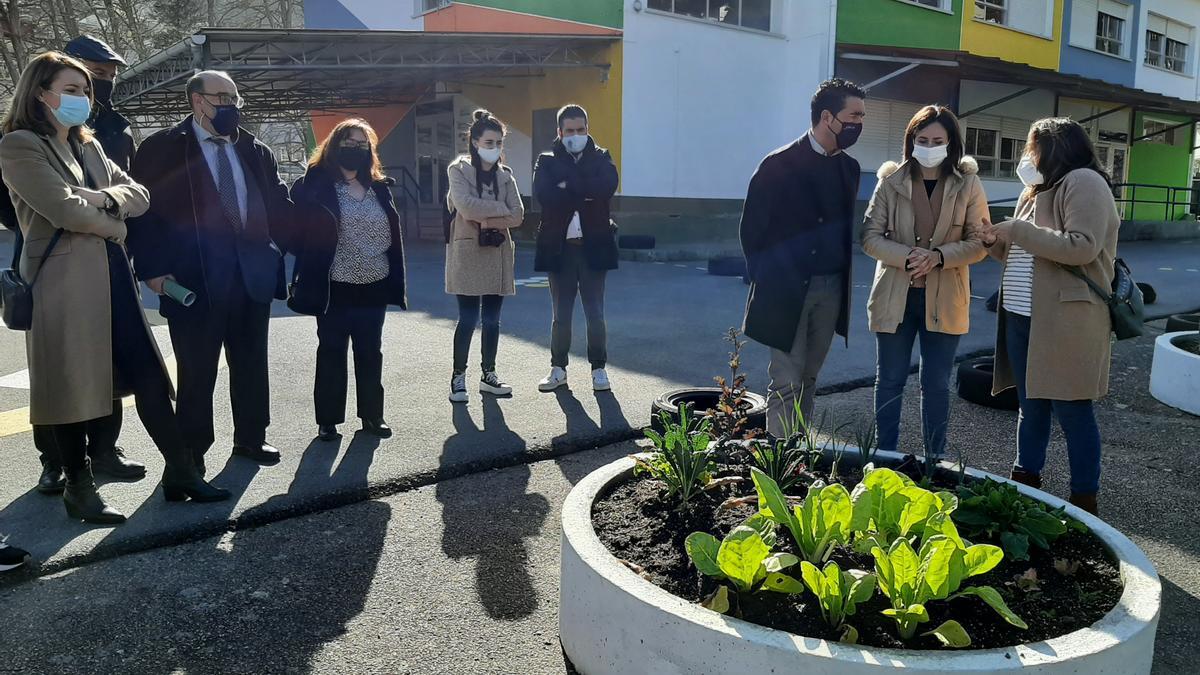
(894, 354)
(1077, 418)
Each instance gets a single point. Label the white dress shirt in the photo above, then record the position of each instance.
(210, 150)
(575, 229)
(817, 147)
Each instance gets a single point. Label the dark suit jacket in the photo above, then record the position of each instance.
(591, 183)
(185, 233)
(318, 216)
(779, 220)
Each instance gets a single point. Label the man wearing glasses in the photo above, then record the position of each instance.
(216, 225)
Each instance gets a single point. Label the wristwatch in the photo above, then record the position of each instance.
(110, 204)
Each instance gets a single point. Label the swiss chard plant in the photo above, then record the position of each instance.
(999, 512)
(817, 525)
(745, 560)
(912, 579)
(838, 593)
(681, 457)
(887, 505)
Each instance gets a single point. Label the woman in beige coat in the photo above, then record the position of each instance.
(89, 337)
(922, 228)
(485, 202)
(1053, 341)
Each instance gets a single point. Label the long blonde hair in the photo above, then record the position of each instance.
(27, 111)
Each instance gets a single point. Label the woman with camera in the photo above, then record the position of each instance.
(349, 268)
(485, 204)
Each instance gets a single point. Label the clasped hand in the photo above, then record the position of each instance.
(921, 261)
(94, 198)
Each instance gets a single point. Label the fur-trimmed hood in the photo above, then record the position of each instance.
(967, 166)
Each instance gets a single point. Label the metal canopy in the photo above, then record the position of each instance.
(284, 74)
(990, 69)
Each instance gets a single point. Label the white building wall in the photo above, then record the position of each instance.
(392, 15)
(703, 103)
(1149, 78)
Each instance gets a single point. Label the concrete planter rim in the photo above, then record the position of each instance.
(1171, 370)
(1138, 607)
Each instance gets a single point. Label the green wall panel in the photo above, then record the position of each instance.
(599, 12)
(1159, 164)
(898, 23)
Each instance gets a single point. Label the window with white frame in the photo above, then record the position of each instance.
(1165, 131)
(753, 14)
(936, 4)
(997, 155)
(426, 6)
(992, 11)
(1167, 44)
(1110, 33)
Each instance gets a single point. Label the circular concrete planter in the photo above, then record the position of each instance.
(613, 621)
(1175, 375)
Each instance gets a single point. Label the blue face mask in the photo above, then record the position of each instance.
(226, 119)
(72, 110)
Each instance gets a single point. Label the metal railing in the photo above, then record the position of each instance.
(409, 190)
(1176, 200)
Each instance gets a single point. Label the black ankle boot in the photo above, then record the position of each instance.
(52, 480)
(84, 503)
(182, 480)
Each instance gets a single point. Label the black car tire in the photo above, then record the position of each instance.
(702, 399)
(975, 385)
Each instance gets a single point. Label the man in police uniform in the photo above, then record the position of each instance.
(112, 130)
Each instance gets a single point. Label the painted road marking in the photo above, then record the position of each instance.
(1166, 269)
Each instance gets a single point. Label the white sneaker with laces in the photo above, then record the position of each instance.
(600, 380)
(490, 383)
(556, 379)
(458, 388)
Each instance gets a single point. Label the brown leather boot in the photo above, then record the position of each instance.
(1087, 502)
(1024, 477)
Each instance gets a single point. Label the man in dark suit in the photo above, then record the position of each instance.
(574, 184)
(796, 232)
(218, 209)
(112, 130)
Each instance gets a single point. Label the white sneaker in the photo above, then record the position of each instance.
(556, 379)
(490, 383)
(458, 388)
(600, 380)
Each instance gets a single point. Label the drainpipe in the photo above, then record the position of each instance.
(833, 8)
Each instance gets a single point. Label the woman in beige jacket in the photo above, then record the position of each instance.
(89, 338)
(922, 226)
(479, 252)
(1053, 339)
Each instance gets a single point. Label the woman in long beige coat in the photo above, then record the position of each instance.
(485, 202)
(89, 337)
(1053, 342)
(922, 228)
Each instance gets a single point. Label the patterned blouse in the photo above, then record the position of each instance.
(364, 237)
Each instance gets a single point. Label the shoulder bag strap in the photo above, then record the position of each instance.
(50, 247)
(1075, 271)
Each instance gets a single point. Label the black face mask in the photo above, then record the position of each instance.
(354, 159)
(225, 119)
(849, 134)
(102, 91)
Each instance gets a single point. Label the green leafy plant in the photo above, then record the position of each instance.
(681, 458)
(866, 437)
(912, 579)
(887, 505)
(838, 593)
(817, 525)
(744, 559)
(782, 460)
(998, 511)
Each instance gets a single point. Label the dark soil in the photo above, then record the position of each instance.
(1188, 343)
(640, 525)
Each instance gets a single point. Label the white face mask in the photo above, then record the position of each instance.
(930, 156)
(1028, 173)
(489, 155)
(575, 144)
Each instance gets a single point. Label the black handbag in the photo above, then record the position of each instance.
(15, 293)
(1126, 307)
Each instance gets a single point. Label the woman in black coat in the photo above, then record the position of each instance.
(349, 268)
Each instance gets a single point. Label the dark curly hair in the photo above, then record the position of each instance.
(1058, 146)
(832, 95)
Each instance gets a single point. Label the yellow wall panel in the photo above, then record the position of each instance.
(985, 39)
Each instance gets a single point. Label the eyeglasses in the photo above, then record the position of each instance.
(362, 145)
(234, 100)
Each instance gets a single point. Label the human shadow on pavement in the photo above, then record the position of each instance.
(1178, 631)
(582, 431)
(491, 527)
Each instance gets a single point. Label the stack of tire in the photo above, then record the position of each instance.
(701, 399)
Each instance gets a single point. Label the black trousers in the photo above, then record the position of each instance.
(198, 333)
(470, 307)
(336, 329)
(135, 365)
(102, 434)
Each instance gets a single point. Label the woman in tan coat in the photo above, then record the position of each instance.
(89, 338)
(1053, 341)
(922, 227)
(479, 252)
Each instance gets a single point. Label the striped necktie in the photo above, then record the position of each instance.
(226, 185)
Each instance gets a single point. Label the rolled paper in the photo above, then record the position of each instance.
(178, 293)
